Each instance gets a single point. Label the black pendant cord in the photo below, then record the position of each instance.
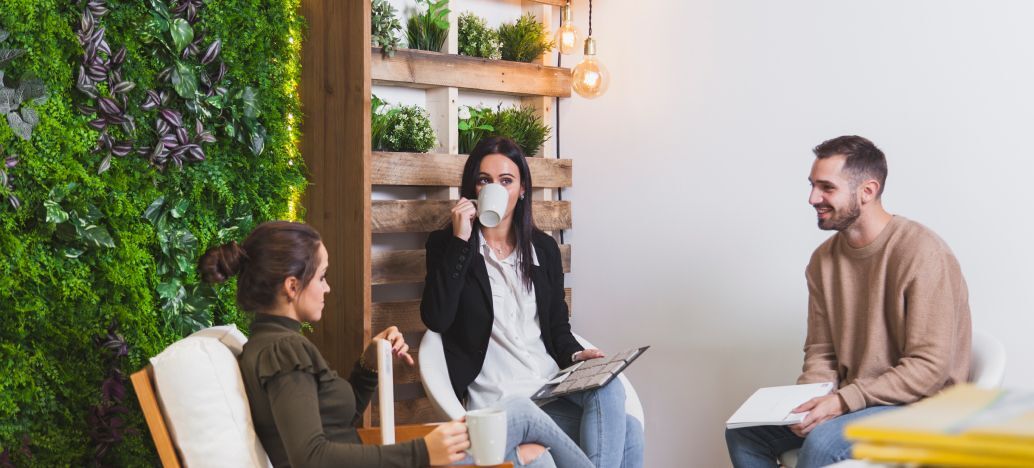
(556, 134)
(590, 18)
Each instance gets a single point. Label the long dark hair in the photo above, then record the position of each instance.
(274, 251)
(523, 223)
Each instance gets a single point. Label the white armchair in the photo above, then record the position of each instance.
(435, 376)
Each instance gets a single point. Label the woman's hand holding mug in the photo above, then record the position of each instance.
(463, 218)
(447, 444)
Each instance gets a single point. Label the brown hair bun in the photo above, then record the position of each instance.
(221, 262)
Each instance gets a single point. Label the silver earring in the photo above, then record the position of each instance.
(522, 196)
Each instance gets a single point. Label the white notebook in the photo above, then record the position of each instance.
(771, 406)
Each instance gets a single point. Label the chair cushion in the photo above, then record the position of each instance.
(201, 392)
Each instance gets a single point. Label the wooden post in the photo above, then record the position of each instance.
(441, 105)
(335, 92)
(543, 105)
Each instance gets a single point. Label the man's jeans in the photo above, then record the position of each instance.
(760, 446)
(597, 419)
(527, 424)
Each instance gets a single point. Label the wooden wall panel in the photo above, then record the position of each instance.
(435, 169)
(418, 411)
(335, 93)
(430, 215)
(423, 69)
(409, 266)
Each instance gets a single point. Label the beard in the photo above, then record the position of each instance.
(840, 220)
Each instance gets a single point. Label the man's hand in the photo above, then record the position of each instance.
(820, 409)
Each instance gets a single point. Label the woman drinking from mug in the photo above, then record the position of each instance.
(304, 413)
(496, 294)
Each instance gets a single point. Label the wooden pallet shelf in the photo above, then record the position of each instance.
(445, 170)
(339, 69)
(424, 69)
(406, 316)
(409, 266)
(388, 216)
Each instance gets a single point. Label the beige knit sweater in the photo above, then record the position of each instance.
(888, 322)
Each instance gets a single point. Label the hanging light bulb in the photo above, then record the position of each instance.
(590, 78)
(567, 36)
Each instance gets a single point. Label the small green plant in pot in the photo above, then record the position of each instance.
(525, 40)
(520, 124)
(523, 126)
(475, 123)
(400, 128)
(384, 27)
(476, 39)
(428, 30)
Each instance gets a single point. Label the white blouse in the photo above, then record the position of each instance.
(516, 362)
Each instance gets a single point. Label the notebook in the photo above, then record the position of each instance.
(587, 375)
(771, 406)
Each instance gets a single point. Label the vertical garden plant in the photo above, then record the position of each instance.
(400, 128)
(524, 40)
(476, 39)
(384, 27)
(85, 85)
(428, 30)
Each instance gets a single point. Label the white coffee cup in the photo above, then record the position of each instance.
(492, 204)
(487, 430)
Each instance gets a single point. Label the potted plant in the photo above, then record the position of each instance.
(476, 39)
(524, 40)
(429, 29)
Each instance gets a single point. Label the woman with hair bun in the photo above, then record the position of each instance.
(304, 413)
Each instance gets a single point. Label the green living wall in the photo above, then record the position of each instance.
(136, 161)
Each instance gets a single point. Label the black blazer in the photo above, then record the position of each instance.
(457, 303)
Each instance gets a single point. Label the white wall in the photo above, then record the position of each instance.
(692, 227)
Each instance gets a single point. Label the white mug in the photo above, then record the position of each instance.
(492, 204)
(487, 431)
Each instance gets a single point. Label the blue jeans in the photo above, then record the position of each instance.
(760, 446)
(527, 424)
(597, 419)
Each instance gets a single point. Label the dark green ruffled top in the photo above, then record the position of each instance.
(304, 413)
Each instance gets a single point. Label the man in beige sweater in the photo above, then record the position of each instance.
(888, 312)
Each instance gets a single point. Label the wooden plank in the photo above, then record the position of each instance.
(417, 411)
(143, 386)
(430, 215)
(565, 257)
(403, 433)
(444, 116)
(402, 314)
(425, 69)
(410, 266)
(436, 169)
(406, 316)
(335, 93)
(567, 299)
(398, 266)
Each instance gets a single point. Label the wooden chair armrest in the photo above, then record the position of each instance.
(408, 432)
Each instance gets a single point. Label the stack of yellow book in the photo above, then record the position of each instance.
(962, 426)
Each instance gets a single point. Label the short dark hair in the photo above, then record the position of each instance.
(863, 159)
(274, 251)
